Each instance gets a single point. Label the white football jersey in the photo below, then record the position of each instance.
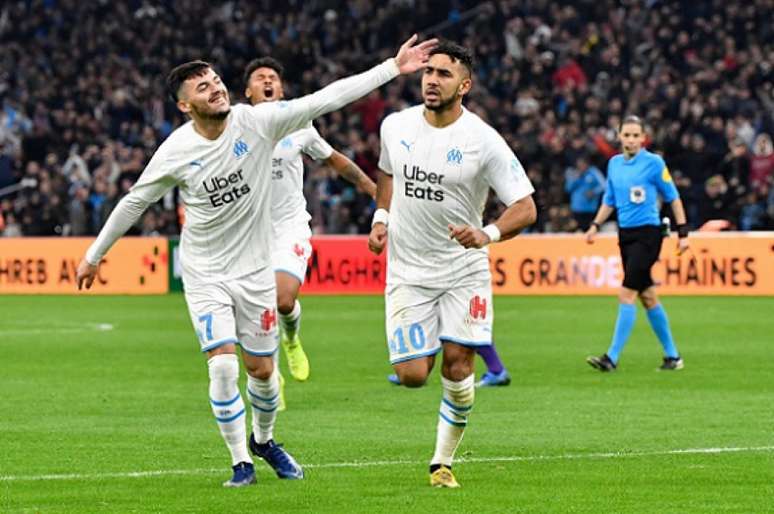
(225, 183)
(288, 205)
(442, 176)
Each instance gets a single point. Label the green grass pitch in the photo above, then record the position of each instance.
(104, 409)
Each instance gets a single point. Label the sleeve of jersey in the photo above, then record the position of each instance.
(609, 196)
(282, 118)
(384, 153)
(151, 186)
(316, 147)
(505, 173)
(664, 183)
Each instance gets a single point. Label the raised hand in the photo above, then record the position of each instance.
(411, 58)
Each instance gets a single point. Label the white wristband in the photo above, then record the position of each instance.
(381, 216)
(493, 232)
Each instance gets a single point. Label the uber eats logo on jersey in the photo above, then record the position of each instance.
(225, 190)
(419, 184)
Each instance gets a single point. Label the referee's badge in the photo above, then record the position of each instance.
(665, 176)
(637, 194)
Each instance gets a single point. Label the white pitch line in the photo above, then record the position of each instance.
(53, 330)
(366, 464)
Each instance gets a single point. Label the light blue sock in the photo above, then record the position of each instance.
(660, 325)
(627, 313)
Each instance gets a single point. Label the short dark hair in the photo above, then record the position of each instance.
(631, 118)
(263, 62)
(456, 52)
(183, 72)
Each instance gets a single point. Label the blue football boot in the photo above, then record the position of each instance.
(281, 461)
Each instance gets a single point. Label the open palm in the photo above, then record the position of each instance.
(411, 58)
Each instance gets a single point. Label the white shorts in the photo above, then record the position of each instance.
(292, 250)
(241, 311)
(419, 319)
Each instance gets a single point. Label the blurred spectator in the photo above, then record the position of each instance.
(85, 105)
(762, 164)
(585, 185)
(715, 202)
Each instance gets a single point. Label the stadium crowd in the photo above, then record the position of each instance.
(84, 105)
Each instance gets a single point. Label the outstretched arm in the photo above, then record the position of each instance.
(352, 173)
(285, 117)
(125, 214)
(154, 182)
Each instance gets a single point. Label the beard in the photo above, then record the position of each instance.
(211, 115)
(442, 105)
(216, 115)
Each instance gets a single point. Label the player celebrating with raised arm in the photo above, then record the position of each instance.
(438, 161)
(635, 179)
(221, 161)
(290, 220)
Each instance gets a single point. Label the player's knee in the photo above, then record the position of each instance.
(412, 379)
(457, 370)
(627, 295)
(648, 299)
(259, 367)
(412, 373)
(285, 302)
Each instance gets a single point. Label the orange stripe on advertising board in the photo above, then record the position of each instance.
(39, 265)
(718, 264)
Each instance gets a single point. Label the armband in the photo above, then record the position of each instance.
(381, 216)
(493, 232)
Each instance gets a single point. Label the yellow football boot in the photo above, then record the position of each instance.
(297, 360)
(281, 405)
(443, 477)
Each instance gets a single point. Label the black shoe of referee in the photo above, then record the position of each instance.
(672, 364)
(603, 363)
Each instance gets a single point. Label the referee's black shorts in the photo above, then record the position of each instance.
(640, 248)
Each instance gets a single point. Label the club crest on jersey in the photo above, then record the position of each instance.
(286, 143)
(240, 148)
(454, 156)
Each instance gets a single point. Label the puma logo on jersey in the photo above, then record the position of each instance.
(407, 145)
(197, 162)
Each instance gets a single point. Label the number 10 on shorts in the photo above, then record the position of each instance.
(416, 337)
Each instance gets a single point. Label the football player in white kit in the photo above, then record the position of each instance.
(221, 162)
(290, 220)
(438, 161)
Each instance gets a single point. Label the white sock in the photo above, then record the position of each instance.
(264, 397)
(291, 323)
(456, 405)
(227, 404)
